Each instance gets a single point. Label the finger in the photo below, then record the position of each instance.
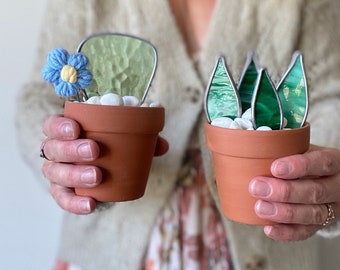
(71, 151)
(282, 232)
(305, 191)
(62, 128)
(162, 146)
(292, 213)
(69, 175)
(314, 163)
(67, 200)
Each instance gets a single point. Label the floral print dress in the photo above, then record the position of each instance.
(189, 233)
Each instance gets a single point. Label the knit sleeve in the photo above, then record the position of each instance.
(320, 44)
(64, 25)
(321, 39)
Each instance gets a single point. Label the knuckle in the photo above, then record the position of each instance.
(318, 215)
(285, 191)
(317, 192)
(328, 163)
(289, 214)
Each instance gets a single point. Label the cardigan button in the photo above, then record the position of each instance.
(255, 263)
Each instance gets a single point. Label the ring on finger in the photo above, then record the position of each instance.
(42, 152)
(330, 215)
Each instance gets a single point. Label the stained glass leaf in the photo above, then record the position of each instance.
(266, 106)
(120, 63)
(293, 93)
(247, 81)
(222, 98)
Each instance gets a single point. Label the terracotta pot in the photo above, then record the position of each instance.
(240, 155)
(127, 138)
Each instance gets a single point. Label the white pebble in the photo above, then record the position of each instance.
(285, 122)
(130, 101)
(247, 115)
(93, 100)
(222, 122)
(111, 99)
(144, 105)
(235, 125)
(155, 104)
(263, 128)
(244, 123)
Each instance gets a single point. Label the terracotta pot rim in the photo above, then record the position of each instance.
(258, 132)
(138, 120)
(257, 144)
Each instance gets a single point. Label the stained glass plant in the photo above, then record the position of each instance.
(256, 99)
(104, 63)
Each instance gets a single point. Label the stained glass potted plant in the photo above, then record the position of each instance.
(105, 85)
(251, 124)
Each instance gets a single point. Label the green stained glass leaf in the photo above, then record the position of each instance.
(292, 90)
(125, 64)
(266, 106)
(247, 81)
(222, 97)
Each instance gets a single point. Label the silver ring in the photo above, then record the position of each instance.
(42, 152)
(330, 215)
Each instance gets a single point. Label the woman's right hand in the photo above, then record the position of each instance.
(62, 148)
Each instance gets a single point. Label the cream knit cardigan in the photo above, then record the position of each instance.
(116, 237)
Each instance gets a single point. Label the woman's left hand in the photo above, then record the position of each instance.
(297, 196)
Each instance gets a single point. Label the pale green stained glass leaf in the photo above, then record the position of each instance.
(222, 97)
(266, 106)
(122, 63)
(293, 94)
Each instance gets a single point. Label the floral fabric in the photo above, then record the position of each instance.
(189, 233)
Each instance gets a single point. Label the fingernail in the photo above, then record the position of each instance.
(281, 168)
(84, 151)
(260, 188)
(265, 208)
(88, 177)
(84, 206)
(67, 130)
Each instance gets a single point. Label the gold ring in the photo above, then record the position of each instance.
(330, 215)
(42, 153)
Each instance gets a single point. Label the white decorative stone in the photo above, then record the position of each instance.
(247, 115)
(111, 99)
(131, 101)
(263, 128)
(235, 125)
(244, 123)
(155, 104)
(285, 122)
(93, 100)
(224, 122)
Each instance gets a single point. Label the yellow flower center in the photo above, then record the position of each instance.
(68, 74)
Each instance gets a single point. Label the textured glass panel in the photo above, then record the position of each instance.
(293, 94)
(266, 104)
(222, 97)
(247, 82)
(119, 63)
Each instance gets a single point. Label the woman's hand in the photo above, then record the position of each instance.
(297, 195)
(64, 147)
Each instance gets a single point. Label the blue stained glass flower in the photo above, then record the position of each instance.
(68, 73)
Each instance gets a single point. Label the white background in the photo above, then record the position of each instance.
(29, 219)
